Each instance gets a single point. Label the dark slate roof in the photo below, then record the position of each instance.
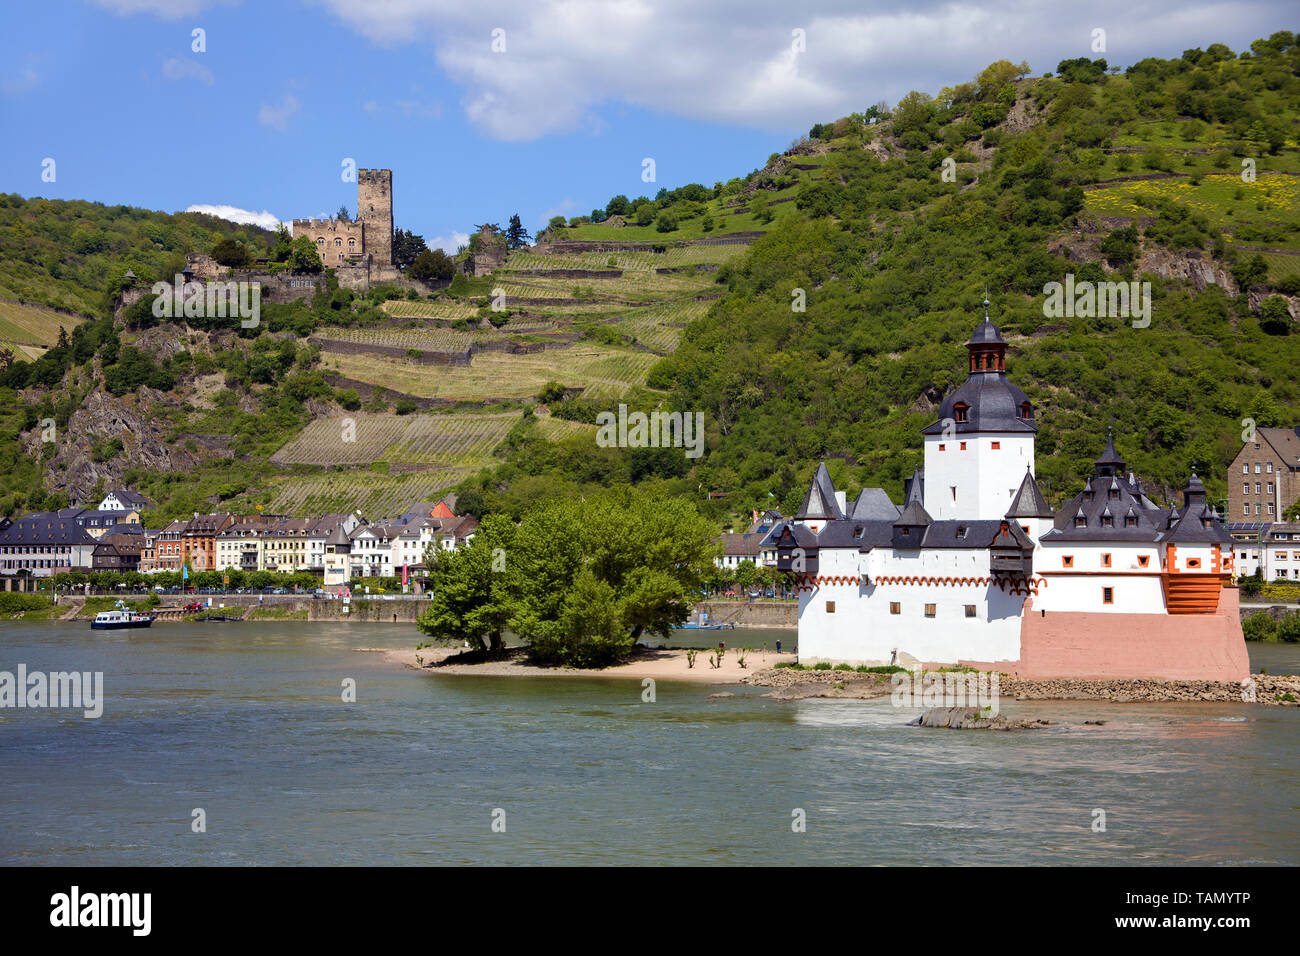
(45, 528)
(914, 514)
(1110, 462)
(954, 533)
(1095, 502)
(993, 403)
(339, 537)
(1199, 524)
(1029, 501)
(914, 488)
(873, 503)
(986, 333)
(820, 501)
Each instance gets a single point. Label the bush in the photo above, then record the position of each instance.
(1259, 627)
(667, 222)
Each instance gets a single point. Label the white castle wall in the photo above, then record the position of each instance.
(1136, 589)
(985, 478)
(862, 629)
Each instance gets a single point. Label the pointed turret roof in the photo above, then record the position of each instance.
(1029, 501)
(915, 490)
(913, 514)
(1110, 463)
(820, 501)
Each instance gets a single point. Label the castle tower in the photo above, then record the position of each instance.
(977, 453)
(375, 211)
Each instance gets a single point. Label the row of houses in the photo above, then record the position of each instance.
(1272, 550)
(111, 538)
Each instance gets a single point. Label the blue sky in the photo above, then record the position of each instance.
(556, 122)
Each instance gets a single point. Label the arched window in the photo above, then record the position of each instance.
(1026, 410)
(320, 241)
(352, 243)
(338, 243)
(959, 411)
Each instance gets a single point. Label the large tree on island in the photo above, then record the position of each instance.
(588, 578)
(468, 602)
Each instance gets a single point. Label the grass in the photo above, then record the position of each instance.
(602, 371)
(374, 495)
(452, 440)
(29, 325)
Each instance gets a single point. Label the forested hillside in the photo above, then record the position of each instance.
(894, 261)
(813, 308)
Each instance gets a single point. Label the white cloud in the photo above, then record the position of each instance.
(166, 9)
(565, 59)
(450, 244)
(277, 117)
(266, 220)
(178, 69)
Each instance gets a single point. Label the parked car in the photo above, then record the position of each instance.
(193, 606)
(769, 593)
(753, 595)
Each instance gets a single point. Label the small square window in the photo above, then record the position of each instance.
(1144, 560)
(1105, 560)
(997, 445)
(1107, 595)
(970, 610)
(830, 607)
(895, 607)
(1067, 560)
(963, 446)
(929, 610)
(942, 446)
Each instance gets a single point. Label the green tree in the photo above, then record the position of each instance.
(589, 578)
(469, 603)
(303, 256)
(430, 265)
(516, 235)
(231, 252)
(407, 247)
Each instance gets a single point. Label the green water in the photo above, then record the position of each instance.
(246, 722)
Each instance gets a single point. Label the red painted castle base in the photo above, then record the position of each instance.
(1107, 646)
(1203, 647)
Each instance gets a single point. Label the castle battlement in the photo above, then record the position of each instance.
(321, 223)
(368, 237)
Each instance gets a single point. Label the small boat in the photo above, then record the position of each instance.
(120, 617)
(692, 626)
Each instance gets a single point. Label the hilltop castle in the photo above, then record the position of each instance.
(974, 568)
(361, 249)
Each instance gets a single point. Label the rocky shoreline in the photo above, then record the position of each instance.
(1282, 691)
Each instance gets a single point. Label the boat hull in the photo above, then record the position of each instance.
(118, 625)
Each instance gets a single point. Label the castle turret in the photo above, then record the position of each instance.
(978, 450)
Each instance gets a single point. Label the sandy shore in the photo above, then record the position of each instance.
(660, 665)
(760, 672)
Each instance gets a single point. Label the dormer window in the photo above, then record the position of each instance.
(1026, 410)
(1107, 521)
(961, 532)
(1113, 494)
(1130, 521)
(1080, 522)
(959, 411)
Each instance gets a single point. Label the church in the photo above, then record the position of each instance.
(974, 568)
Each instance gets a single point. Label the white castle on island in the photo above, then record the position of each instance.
(974, 568)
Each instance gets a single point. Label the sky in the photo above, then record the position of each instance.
(484, 109)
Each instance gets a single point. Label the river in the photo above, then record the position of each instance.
(246, 723)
